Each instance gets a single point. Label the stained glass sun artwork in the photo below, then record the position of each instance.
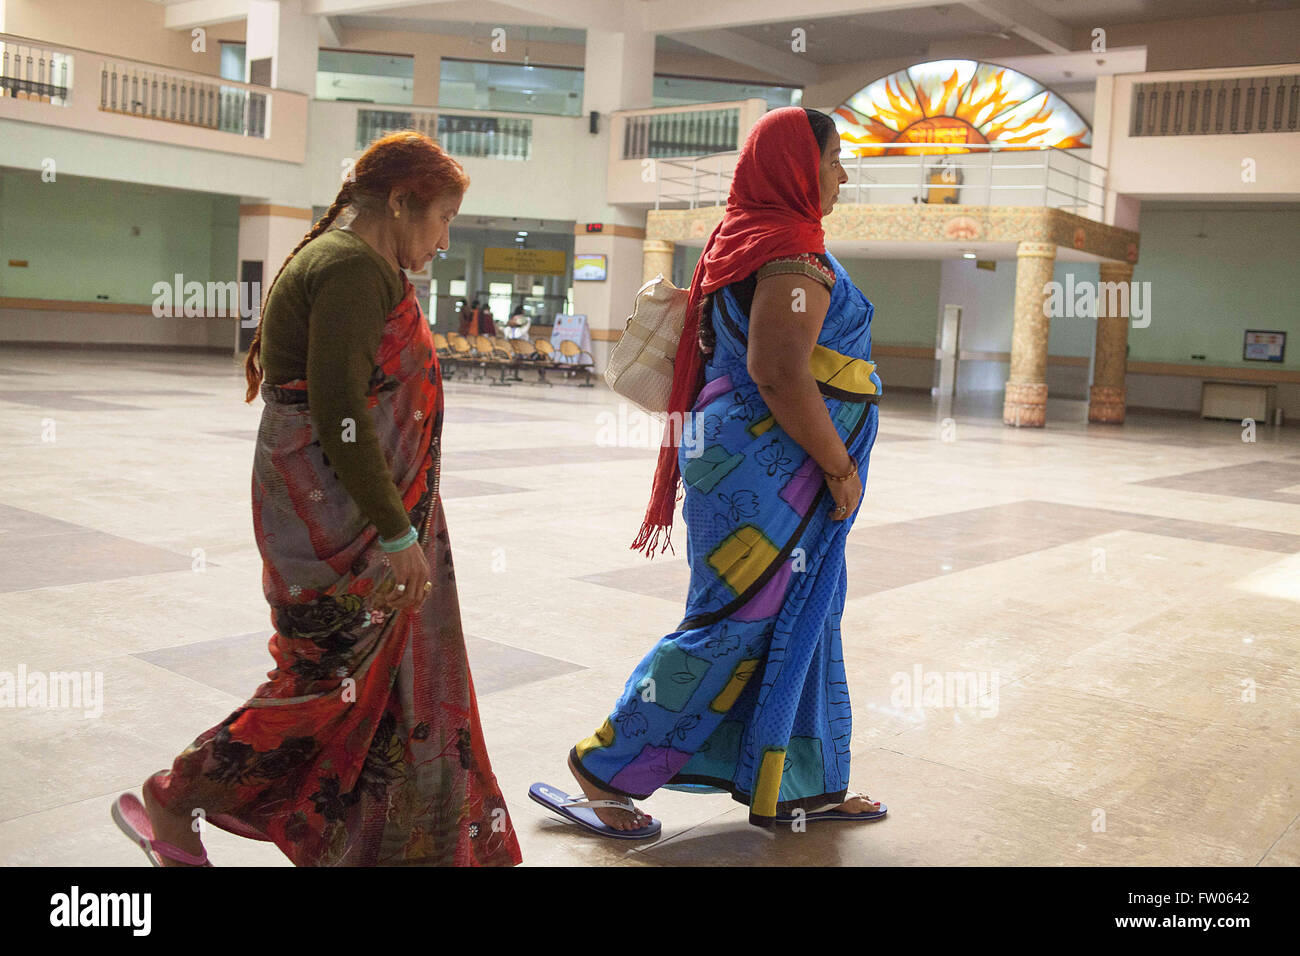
(952, 104)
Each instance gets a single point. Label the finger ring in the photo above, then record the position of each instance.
(401, 588)
(840, 510)
(428, 586)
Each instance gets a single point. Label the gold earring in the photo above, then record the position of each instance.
(396, 214)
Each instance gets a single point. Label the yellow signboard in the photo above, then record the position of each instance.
(551, 262)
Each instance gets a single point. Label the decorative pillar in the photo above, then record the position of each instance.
(1025, 404)
(657, 257)
(1106, 398)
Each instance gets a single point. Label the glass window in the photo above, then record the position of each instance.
(365, 77)
(515, 88)
(510, 87)
(500, 296)
(685, 90)
(232, 61)
(456, 288)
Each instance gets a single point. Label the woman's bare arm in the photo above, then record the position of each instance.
(781, 342)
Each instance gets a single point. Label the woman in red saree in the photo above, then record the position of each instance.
(364, 746)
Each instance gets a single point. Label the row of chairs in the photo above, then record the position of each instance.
(477, 355)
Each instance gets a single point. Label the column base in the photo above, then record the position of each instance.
(1106, 404)
(1025, 405)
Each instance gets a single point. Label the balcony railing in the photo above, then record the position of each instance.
(686, 133)
(1217, 106)
(184, 99)
(479, 137)
(35, 73)
(147, 101)
(987, 175)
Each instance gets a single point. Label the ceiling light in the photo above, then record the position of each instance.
(968, 255)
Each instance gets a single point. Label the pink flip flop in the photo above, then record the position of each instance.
(130, 816)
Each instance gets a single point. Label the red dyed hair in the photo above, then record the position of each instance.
(406, 161)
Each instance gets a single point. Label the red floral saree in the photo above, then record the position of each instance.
(364, 745)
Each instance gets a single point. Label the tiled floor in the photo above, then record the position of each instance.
(1125, 601)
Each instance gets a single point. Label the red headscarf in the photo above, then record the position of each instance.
(773, 209)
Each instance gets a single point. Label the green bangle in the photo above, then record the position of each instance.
(402, 543)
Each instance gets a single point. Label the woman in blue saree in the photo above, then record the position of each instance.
(749, 695)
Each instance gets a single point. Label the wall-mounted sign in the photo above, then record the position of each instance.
(1264, 346)
(551, 262)
(595, 227)
(573, 328)
(588, 268)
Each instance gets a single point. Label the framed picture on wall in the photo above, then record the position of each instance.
(1264, 346)
(588, 267)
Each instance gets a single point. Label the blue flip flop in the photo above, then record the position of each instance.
(581, 811)
(830, 812)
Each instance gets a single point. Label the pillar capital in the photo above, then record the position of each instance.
(1111, 271)
(1036, 250)
(657, 258)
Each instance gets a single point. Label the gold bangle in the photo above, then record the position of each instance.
(847, 475)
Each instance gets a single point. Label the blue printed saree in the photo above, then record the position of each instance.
(749, 694)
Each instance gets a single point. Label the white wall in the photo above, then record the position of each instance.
(562, 180)
(1197, 166)
(25, 145)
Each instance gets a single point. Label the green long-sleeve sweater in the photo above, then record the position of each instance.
(323, 322)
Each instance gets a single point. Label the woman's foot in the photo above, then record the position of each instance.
(173, 828)
(859, 804)
(615, 819)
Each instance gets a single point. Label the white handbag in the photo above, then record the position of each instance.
(641, 364)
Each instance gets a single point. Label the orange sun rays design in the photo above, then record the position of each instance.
(946, 106)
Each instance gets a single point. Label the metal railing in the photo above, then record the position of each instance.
(1210, 107)
(35, 73)
(482, 137)
(982, 175)
(686, 133)
(178, 98)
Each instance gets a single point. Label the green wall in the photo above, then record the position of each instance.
(75, 234)
(1206, 292)
(905, 293)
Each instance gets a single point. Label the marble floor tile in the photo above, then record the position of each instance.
(1078, 645)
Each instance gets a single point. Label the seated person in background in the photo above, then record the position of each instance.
(517, 327)
(486, 324)
(469, 318)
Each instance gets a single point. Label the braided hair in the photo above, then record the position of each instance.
(406, 161)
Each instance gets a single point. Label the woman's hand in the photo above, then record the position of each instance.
(846, 494)
(408, 567)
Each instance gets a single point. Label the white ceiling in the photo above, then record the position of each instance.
(873, 29)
